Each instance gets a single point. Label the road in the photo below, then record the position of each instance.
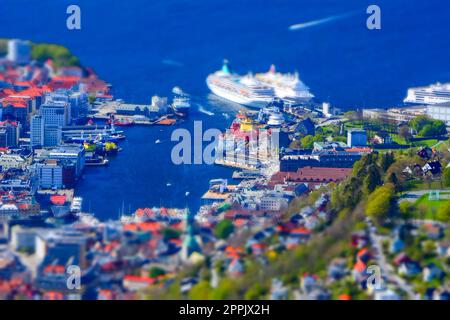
(412, 196)
(388, 270)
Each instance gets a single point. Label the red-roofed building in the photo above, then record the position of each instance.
(17, 108)
(359, 267)
(55, 269)
(105, 294)
(258, 248)
(134, 283)
(311, 175)
(6, 92)
(359, 149)
(58, 199)
(364, 255)
(150, 226)
(300, 231)
(130, 227)
(234, 252)
(37, 94)
(63, 82)
(53, 295)
(344, 296)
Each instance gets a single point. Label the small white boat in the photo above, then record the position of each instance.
(158, 141)
(168, 184)
(178, 91)
(187, 193)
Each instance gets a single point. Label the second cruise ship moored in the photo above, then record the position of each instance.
(245, 90)
(433, 94)
(286, 85)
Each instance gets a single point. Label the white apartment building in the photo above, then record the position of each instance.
(440, 112)
(19, 51)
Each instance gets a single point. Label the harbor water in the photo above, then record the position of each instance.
(147, 47)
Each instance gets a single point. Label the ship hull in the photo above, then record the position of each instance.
(182, 111)
(290, 94)
(228, 95)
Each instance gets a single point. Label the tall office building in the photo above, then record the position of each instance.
(9, 134)
(78, 102)
(52, 135)
(37, 131)
(53, 115)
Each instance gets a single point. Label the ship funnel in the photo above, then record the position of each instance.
(226, 67)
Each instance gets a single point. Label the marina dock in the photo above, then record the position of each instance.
(246, 174)
(144, 115)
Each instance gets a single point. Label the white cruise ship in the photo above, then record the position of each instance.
(245, 90)
(433, 94)
(286, 85)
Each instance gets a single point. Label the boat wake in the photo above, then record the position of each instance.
(317, 22)
(172, 63)
(203, 110)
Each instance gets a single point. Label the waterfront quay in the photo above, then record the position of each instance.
(158, 112)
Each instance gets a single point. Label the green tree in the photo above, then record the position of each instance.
(406, 209)
(405, 133)
(223, 291)
(439, 128)
(255, 292)
(427, 127)
(60, 55)
(426, 131)
(201, 291)
(307, 142)
(224, 228)
(387, 160)
(156, 271)
(419, 122)
(170, 233)
(443, 212)
(446, 177)
(392, 178)
(372, 180)
(379, 202)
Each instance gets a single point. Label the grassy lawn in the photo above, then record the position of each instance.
(425, 143)
(443, 146)
(416, 185)
(398, 139)
(353, 125)
(429, 206)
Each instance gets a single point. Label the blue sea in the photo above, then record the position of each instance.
(147, 47)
